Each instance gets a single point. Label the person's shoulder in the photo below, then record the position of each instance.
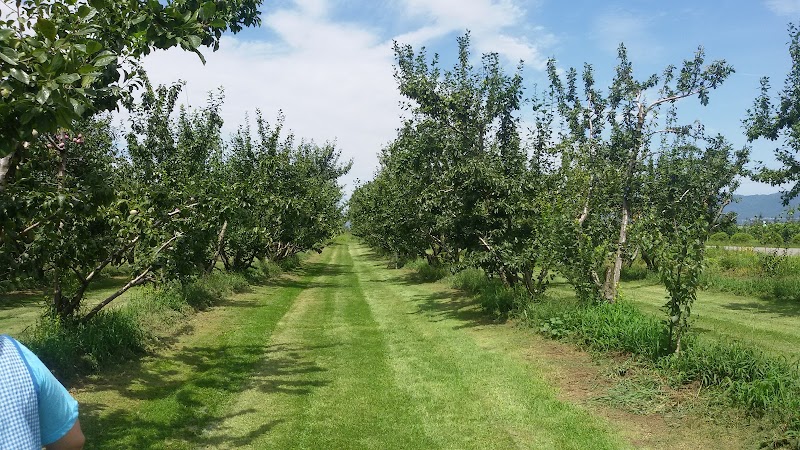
(36, 368)
(58, 410)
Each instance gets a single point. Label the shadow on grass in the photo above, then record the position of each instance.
(184, 391)
(780, 307)
(21, 299)
(311, 271)
(454, 305)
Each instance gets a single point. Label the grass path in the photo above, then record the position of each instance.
(345, 354)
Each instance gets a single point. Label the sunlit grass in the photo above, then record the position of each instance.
(772, 325)
(347, 354)
(19, 310)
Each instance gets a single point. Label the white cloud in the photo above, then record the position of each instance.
(477, 14)
(495, 26)
(331, 81)
(334, 80)
(784, 7)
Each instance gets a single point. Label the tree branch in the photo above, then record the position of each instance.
(140, 279)
(672, 98)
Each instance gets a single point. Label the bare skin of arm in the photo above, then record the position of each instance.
(73, 440)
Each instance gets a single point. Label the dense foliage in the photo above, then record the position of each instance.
(780, 121)
(177, 198)
(600, 178)
(172, 205)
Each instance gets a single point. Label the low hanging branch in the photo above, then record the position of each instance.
(140, 279)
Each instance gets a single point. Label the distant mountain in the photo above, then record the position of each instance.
(767, 206)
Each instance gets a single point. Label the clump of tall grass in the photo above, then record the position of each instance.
(766, 275)
(638, 271)
(764, 385)
(427, 273)
(213, 288)
(494, 297)
(69, 350)
(606, 327)
(120, 333)
(470, 280)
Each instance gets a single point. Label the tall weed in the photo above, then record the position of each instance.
(495, 298)
(747, 273)
(469, 280)
(618, 327)
(111, 336)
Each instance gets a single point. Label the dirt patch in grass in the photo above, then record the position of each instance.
(647, 411)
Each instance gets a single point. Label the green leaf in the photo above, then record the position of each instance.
(219, 23)
(139, 19)
(78, 107)
(207, 10)
(194, 41)
(9, 56)
(93, 47)
(102, 61)
(40, 55)
(68, 78)
(88, 79)
(84, 11)
(20, 75)
(43, 96)
(46, 28)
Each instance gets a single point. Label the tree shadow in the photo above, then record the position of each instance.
(181, 407)
(227, 441)
(20, 299)
(458, 306)
(299, 284)
(780, 307)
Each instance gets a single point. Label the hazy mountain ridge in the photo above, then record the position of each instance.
(767, 206)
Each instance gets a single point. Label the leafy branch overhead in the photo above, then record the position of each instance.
(64, 60)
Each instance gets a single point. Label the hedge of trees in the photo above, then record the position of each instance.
(170, 200)
(600, 176)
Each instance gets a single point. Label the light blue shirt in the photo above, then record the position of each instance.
(58, 411)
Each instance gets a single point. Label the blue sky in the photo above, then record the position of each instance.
(327, 64)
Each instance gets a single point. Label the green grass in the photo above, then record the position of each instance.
(126, 330)
(344, 354)
(771, 325)
(19, 310)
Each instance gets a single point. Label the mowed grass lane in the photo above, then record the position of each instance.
(345, 354)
